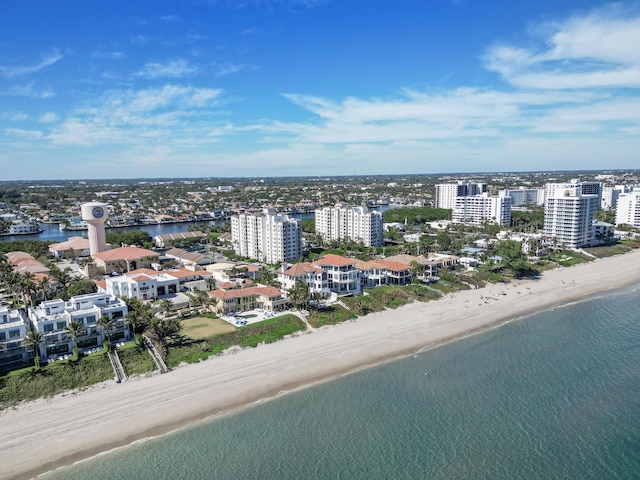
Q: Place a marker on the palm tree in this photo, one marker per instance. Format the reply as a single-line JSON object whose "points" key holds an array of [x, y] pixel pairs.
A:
{"points": [[166, 306], [299, 295], [75, 329], [33, 340], [139, 316], [105, 324]]}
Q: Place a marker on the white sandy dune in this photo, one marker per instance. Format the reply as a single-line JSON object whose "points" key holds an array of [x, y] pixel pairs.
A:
{"points": [[41, 435]]}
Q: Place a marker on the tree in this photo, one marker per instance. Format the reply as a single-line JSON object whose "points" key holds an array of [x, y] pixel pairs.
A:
{"points": [[299, 295], [166, 306], [512, 257], [268, 277], [33, 340], [105, 324], [74, 329], [139, 316]]}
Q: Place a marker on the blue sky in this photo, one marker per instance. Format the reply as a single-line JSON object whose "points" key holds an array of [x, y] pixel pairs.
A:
{"points": [[193, 88]]}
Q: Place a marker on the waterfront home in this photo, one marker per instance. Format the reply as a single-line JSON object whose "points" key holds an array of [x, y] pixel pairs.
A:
{"points": [[13, 330], [51, 318], [168, 239], [343, 278], [314, 277], [227, 302]]}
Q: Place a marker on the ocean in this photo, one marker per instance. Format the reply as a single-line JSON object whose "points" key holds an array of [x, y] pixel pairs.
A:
{"points": [[552, 396]]}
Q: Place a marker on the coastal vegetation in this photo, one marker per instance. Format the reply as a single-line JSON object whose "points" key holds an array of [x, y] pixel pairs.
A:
{"points": [[182, 348]]}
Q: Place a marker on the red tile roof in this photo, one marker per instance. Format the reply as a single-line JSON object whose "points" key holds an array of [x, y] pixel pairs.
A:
{"points": [[246, 292], [393, 265], [300, 269], [335, 260], [125, 253]]}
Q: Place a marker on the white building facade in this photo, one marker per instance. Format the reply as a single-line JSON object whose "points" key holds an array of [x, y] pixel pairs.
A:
{"points": [[524, 197], [267, 237], [447, 192], [628, 209], [344, 222], [478, 209], [13, 330], [569, 215], [51, 318]]}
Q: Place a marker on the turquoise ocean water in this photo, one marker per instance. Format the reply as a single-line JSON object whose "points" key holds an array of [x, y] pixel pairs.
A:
{"points": [[552, 396]]}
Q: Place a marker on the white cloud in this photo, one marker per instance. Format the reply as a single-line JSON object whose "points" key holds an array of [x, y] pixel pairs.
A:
{"points": [[15, 116], [174, 69], [227, 69], [121, 117], [18, 132], [17, 71], [105, 55], [49, 117], [598, 49], [27, 90]]}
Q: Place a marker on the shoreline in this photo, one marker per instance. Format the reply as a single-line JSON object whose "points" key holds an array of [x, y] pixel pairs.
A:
{"points": [[77, 426]]}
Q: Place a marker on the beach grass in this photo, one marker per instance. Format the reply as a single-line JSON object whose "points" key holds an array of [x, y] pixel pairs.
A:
{"points": [[183, 349], [389, 296], [135, 359], [329, 316], [54, 378]]}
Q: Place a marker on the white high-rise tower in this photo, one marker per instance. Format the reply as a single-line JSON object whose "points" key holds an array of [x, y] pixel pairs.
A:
{"points": [[95, 214]]}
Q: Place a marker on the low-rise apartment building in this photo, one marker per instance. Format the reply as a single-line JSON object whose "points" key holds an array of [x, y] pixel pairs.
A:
{"points": [[51, 318], [13, 330]]}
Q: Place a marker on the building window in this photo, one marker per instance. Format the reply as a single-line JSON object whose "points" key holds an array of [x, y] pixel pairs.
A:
{"points": [[48, 327], [61, 325], [14, 333]]}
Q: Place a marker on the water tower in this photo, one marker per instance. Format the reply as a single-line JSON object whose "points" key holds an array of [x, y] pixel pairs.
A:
{"points": [[95, 214]]}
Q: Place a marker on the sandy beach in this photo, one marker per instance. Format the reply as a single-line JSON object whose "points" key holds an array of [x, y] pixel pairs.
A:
{"points": [[42, 435]]}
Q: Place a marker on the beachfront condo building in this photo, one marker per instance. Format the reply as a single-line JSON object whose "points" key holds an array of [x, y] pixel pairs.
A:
{"points": [[569, 215], [268, 237], [52, 317], [610, 196], [584, 188], [344, 222], [13, 330], [447, 192], [480, 209], [628, 209]]}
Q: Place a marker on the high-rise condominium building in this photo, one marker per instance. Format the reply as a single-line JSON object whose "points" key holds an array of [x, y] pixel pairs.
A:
{"points": [[628, 209], [343, 222], [477, 209], [584, 188], [569, 215], [447, 192], [524, 196], [268, 237]]}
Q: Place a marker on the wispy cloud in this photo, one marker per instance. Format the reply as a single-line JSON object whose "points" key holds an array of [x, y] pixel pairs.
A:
{"points": [[105, 55], [27, 90], [599, 49], [174, 69], [123, 117], [17, 71], [169, 18], [49, 117], [221, 70], [18, 132]]}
